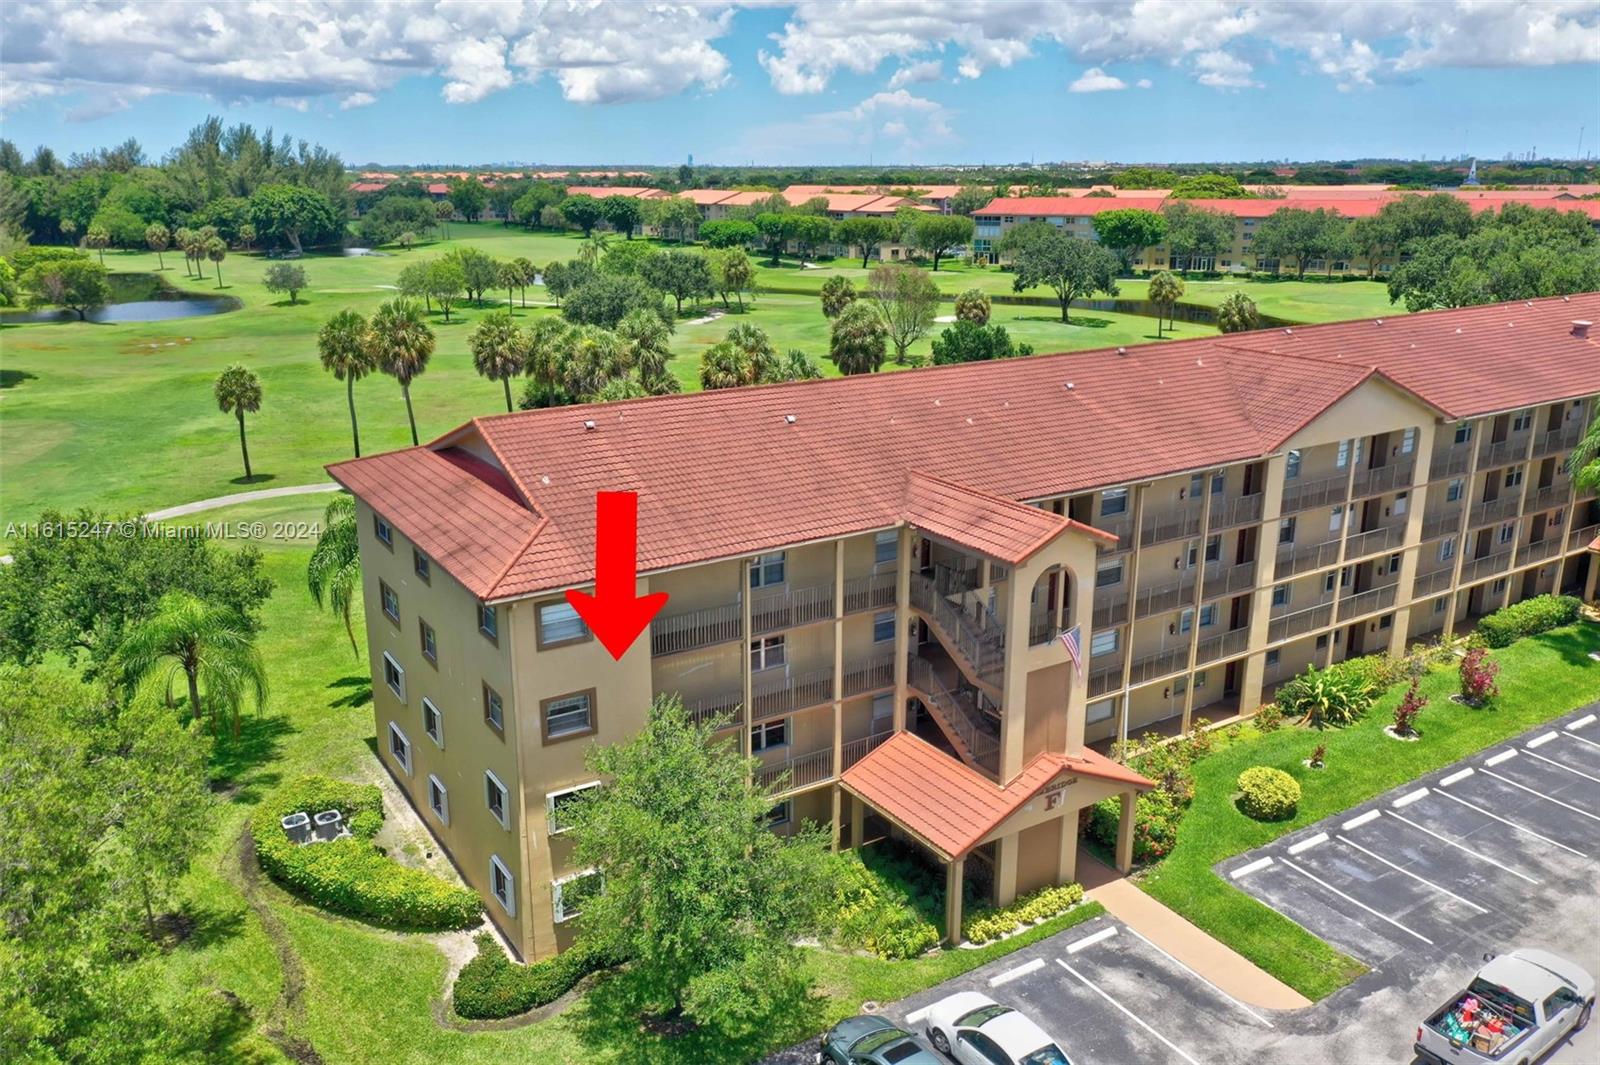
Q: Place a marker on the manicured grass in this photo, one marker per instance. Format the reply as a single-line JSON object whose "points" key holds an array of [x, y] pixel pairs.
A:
{"points": [[1541, 677]]}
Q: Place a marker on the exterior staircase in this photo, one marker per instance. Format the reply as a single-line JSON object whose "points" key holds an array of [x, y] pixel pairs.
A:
{"points": [[978, 651], [974, 734]]}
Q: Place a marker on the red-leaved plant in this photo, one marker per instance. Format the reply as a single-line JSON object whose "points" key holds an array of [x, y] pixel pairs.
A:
{"points": [[1405, 715], [1477, 677]]}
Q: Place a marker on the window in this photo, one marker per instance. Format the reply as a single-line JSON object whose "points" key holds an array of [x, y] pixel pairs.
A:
{"points": [[1208, 615], [1522, 422], [1336, 519], [1104, 642], [1386, 622], [1456, 489], [769, 734], [394, 676], [1514, 477], [1344, 455], [400, 747], [494, 710], [1280, 594], [1291, 465], [391, 601], [1186, 620], [1401, 502], [430, 642], [780, 814], [438, 799], [500, 885], [1113, 501], [432, 721], [1499, 586], [489, 621], [1107, 574], [1508, 532], [423, 567], [1286, 531], [556, 800], [383, 532], [1555, 518], [1463, 432], [882, 712], [1199, 681], [1328, 582], [1273, 657], [1408, 441], [558, 624], [1101, 710], [885, 547], [1180, 685], [766, 652], [1344, 577], [567, 716], [571, 892], [767, 570], [1322, 642], [494, 794], [1441, 604], [1197, 484], [1213, 550], [883, 627]]}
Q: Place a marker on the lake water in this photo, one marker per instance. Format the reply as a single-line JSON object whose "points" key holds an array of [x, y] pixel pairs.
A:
{"points": [[135, 298]]}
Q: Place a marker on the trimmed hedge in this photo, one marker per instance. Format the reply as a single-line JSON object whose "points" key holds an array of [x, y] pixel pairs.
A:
{"points": [[1268, 794], [348, 875], [1047, 902], [881, 904], [1528, 618], [492, 986]]}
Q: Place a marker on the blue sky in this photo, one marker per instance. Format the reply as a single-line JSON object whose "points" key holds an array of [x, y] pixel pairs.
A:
{"points": [[816, 81]]}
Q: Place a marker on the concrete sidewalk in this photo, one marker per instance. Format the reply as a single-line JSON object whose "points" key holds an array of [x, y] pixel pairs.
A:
{"points": [[1223, 966]]}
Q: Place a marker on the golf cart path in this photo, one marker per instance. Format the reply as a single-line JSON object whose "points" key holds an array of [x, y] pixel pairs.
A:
{"points": [[214, 502]]}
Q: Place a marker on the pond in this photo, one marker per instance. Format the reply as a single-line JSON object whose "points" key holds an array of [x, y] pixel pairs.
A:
{"points": [[1183, 312], [135, 298]]}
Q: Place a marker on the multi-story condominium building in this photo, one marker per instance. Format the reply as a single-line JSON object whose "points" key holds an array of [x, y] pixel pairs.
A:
{"points": [[868, 576]]}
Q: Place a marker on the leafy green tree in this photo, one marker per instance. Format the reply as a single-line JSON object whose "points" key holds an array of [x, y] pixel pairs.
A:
{"points": [[333, 573], [1372, 239], [479, 272], [809, 233], [622, 213], [680, 274], [1298, 234], [499, 350], [77, 284], [969, 341], [867, 234], [906, 299], [692, 886], [582, 211], [973, 306], [605, 299], [858, 339], [8, 284], [1237, 313], [238, 392], [1584, 461], [286, 277], [413, 283], [837, 294], [1020, 236], [937, 234], [969, 198], [677, 216], [158, 238], [468, 197], [1519, 255], [216, 251], [394, 215], [729, 233], [1209, 187], [345, 349], [1128, 231], [1166, 289], [294, 214], [624, 257], [774, 229], [1142, 177], [209, 644], [446, 283], [731, 272], [529, 207], [1413, 218], [97, 237], [1073, 268], [1196, 233], [401, 345]]}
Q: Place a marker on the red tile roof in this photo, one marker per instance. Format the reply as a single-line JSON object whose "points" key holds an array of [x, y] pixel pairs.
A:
{"points": [[1046, 206], [981, 521], [706, 197], [1350, 206], [952, 807], [817, 460], [600, 192]]}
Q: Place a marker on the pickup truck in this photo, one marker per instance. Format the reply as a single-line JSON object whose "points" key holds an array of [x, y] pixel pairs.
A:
{"points": [[1515, 1010]]}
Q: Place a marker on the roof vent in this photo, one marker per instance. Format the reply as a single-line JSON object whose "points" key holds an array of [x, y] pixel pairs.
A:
{"points": [[1122, 351], [588, 426], [545, 479], [1580, 328], [1458, 330], [790, 418], [1377, 321], [1288, 332], [1069, 386]]}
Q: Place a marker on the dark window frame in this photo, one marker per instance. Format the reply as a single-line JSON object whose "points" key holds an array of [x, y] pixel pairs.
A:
{"points": [[578, 734]]}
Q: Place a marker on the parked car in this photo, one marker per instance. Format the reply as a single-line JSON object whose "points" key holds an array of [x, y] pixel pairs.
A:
{"points": [[974, 1029], [1518, 1006], [872, 1041]]}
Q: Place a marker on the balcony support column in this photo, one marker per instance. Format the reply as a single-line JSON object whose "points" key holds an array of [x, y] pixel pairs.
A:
{"points": [[1067, 858], [838, 679], [1005, 870], [1462, 529], [1417, 504], [1132, 580], [1589, 583], [1125, 832], [744, 655], [1255, 664], [1199, 598], [858, 822], [954, 876], [902, 623]]}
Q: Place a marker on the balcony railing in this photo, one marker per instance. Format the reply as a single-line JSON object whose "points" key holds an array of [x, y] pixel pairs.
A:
{"points": [[772, 694], [1494, 510], [983, 648], [802, 771], [1158, 664], [1170, 525], [1538, 552], [1300, 622], [1240, 511], [869, 674], [1120, 526], [1366, 602], [1105, 675], [696, 628], [1387, 478], [789, 607], [1435, 525], [721, 705], [1110, 606], [959, 712], [1451, 462], [1315, 493], [1374, 541], [1432, 583], [1548, 498], [1563, 439], [1224, 645], [855, 750], [1502, 453], [955, 579], [1303, 558], [1226, 580], [1167, 595], [876, 592], [1487, 566], [1580, 538]]}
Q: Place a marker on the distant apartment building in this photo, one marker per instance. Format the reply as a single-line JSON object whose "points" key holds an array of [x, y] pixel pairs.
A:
{"points": [[868, 576]]}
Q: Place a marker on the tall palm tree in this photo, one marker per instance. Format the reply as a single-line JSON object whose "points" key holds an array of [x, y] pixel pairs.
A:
{"points": [[158, 237], [216, 251], [593, 247], [591, 357], [1237, 313], [97, 238], [645, 336], [346, 352], [545, 347], [526, 274], [858, 340], [210, 644], [402, 343], [499, 350], [238, 392], [509, 276], [1166, 288], [183, 240], [334, 572], [753, 340], [726, 365]]}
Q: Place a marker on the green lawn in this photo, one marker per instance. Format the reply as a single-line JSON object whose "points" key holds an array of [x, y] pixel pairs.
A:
{"points": [[1541, 678]]}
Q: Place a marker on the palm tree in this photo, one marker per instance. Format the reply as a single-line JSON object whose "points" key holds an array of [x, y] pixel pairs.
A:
{"points": [[1166, 288], [1237, 313], [544, 347], [509, 275], [346, 352], [334, 572], [753, 340], [216, 251], [402, 344], [97, 238], [499, 350], [212, 646], [591, 357], [158, 238], [593, 246], [183, 240], [726, 365], [238, 392], [527, 273], [645, 336], [443, 211], [858, 341]]}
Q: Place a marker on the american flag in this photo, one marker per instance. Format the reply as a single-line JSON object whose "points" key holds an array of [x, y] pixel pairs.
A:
{"points": [[1073, 642]]}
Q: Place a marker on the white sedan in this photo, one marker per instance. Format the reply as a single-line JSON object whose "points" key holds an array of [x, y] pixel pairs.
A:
{"points": [[974, 1029]]}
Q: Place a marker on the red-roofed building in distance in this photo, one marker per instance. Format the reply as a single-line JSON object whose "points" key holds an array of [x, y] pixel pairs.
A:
{"points": [[870, 598]]}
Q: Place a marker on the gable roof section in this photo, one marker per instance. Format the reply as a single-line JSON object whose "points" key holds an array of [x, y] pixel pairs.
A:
{"points": [[983, 522]]}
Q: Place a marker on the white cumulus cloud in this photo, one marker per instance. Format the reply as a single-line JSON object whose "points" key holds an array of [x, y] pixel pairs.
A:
{"points": [[1096, 80], [914, 73]]}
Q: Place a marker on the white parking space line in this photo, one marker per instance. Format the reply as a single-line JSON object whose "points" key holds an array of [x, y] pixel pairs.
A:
{"points": [[917, 1016], [1540, 741], [1568, 768], [1197, 976], [1546, 798], [1307, 844], [1406, 872], [1456, 778], [1089, 941], [1011, 974], [1512, 824], [1582, 722], [1246, 870], [1464, 848], [1175, 1048], [1580, 739], [1358, 902], [1407, 800], [1503, 756], [1357, 822]]}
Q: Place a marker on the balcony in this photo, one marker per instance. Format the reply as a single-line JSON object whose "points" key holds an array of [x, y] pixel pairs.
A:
{"points": [[1398, 474], [1548, 498], [1303, 558], [872, 673], [1487, 566], [1366, 602], [855, 750], [789, 607], [1578, 539], [1300, 622], [1528, 554], [1451, 462], [876, 592], [775, 693], [1224, 645], [1442, 522], [696, 628], [1170, 525], [1226, 580], [1228, 513], [1433, 582], [983, 649], [1502, 453], [1110, 606], [1105, 674], [1120, 526], [1158, 664], [1168, 595], [703, 708], [1315, 493], [1375, 541], [1494, 510], [802, 771], [1558, 440]]}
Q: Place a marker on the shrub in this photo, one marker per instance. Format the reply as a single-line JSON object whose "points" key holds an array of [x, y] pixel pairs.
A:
{"points": [[1268, 794], [1201, 742], [1478, 677], [1529, 617], [1324, 697], [1319, 756], [883, 902], [983, 925], [1155, 824], [973, 306], [1405, 715], [348, 875], [1269, 718], [491, 985]]}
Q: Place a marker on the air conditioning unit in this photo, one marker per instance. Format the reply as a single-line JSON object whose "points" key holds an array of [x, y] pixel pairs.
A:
{"points": [[329, 824], [297, 826]]}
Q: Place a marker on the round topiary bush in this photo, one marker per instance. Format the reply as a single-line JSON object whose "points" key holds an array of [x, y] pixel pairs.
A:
{"points": [[1268, 794], [348, 875]]}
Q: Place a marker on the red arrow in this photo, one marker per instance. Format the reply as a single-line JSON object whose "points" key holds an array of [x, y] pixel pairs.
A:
{"points": [[614, 613]]}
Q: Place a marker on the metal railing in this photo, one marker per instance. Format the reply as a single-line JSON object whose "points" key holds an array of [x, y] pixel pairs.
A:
{"points": [[1041, 628], [1494, 510], [1298, 558], [1502, 453], [1386, 478], [876, 592], [1435, 525], [773, 694], [1315, 493], [1487, 566], [1366, 602], [1583, 537], [855, 750], [868, 674], [1300, 622], [959, 713], [954, 580], [789, 607], [1121, 527], [1167, 595], [1158, 664], [1548, 498], [1171, 525], [1563, 439], [696, 628], [984, 649], [1110, 607], [802, 771], [1105, 678], [1449, 463], [1223, 645], [1226, 580], [1239, 511], [1432, 583], [721, 705], [1539, 551], [1373, 541]]}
